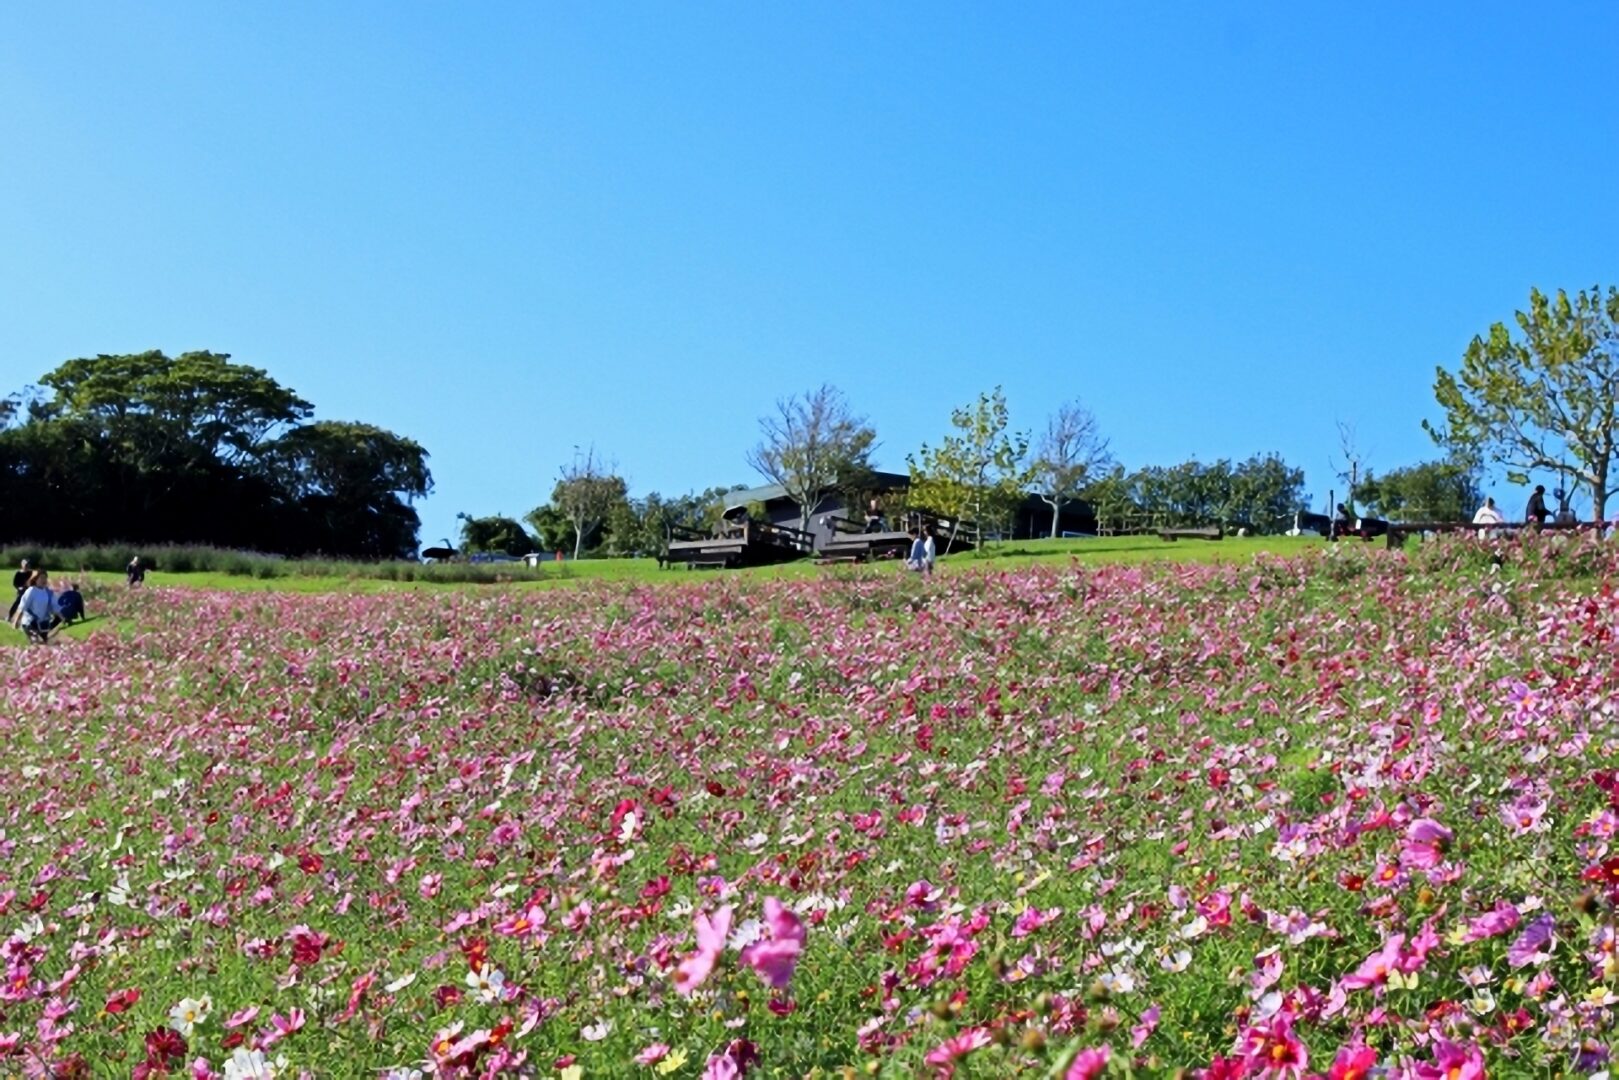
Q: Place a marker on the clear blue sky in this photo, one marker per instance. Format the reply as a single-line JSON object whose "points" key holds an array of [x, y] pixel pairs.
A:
{"points": [[507, 230]]}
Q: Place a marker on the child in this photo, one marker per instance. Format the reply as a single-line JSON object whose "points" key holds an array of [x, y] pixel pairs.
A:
{"points": [[71, 603]]}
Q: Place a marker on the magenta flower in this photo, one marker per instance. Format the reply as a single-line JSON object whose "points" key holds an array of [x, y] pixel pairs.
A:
{"points": [[1425, 843], [1530, 946], [1088, 1063], [695, 969], [775, 957], [1374, 970]]}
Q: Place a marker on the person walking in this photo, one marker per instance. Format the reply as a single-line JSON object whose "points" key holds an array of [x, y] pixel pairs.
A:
{"points": [[1489, 514], [135, 572], [1536, 513], [19, 581]]}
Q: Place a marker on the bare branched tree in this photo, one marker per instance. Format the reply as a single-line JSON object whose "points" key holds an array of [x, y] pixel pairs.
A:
{"points": [[586, 492], [812, 447], [1071, 453]]}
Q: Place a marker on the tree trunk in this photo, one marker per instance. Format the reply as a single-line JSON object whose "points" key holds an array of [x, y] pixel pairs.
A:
{"points": [[1599, 494], [1056, 514], [578, 539]]}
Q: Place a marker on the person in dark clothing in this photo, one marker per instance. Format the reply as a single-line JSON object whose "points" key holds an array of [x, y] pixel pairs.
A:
{"points": [[1536, 513], [135, 572], [1342, 523], [19, 581], [71, 603]]}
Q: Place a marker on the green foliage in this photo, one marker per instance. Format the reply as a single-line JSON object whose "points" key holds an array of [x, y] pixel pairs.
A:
{"points": [[494, 534], [980, 472], [586, 494], [551, 526], [1545, 396], [1432, 491], [198, 448], [1259, 494]]}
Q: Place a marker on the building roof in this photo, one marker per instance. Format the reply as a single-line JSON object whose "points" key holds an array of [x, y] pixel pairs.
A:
{"points": [[885, 481]]}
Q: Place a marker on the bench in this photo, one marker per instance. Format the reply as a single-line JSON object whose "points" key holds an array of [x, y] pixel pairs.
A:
{"points": [[1206, 532]]}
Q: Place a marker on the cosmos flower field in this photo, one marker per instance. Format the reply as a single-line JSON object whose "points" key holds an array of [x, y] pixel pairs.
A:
{"points": [[1344, 815]]}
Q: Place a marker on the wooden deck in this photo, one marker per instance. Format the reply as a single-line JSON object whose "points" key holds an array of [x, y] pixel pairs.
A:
{"points": [[864, 546], [851, 544], [750, 543]]}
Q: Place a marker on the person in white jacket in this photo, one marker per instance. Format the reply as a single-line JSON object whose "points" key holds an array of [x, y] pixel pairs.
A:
{"points": [[1488, 514], [38, 613]]}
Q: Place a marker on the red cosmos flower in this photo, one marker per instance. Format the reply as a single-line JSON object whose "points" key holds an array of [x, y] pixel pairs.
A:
{"points": [[307, 945], [165, 1046], [120, 1000], [476, 950]]}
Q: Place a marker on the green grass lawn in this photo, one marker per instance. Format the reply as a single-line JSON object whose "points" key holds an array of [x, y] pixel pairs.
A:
{"points": [[1121, 549]]}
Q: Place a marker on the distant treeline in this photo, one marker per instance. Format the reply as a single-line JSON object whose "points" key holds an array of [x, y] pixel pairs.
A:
{"points": [[195, 448], [64, 562]]}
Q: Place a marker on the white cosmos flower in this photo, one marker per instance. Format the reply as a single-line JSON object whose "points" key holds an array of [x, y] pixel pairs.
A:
{"points": [[488, 984], [1179, 960], [253, 1065], [400, 983], [190, 1012]]}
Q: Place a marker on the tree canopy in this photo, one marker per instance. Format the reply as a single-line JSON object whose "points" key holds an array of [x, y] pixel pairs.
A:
{"points": [[199, 449], [980, 470], [1431, 491], [1544, 398], [812, 447]]}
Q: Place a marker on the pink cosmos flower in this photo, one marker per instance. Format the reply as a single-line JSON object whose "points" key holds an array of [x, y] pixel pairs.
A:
{"points": [[1088, 1063], [695, 969], [776, 957], [242, 1016], [653, 1054], [1352, 1063], [1143, 1030], [944, 1056], [1273, 1050], [1425, 844], [528, 925], [1504, 918], [1452, 1061], [1523, 814], [1529, 946], [1374, 970]]}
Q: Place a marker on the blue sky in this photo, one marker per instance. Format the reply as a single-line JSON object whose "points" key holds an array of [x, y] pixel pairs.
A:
{"points": [[507, 230]]}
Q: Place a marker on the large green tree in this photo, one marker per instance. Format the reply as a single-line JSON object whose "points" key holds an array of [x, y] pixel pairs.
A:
{"points": [[1542, 398], [1430, 491], [981, 469], [353, 484], [200, 449], [494, 534]]}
